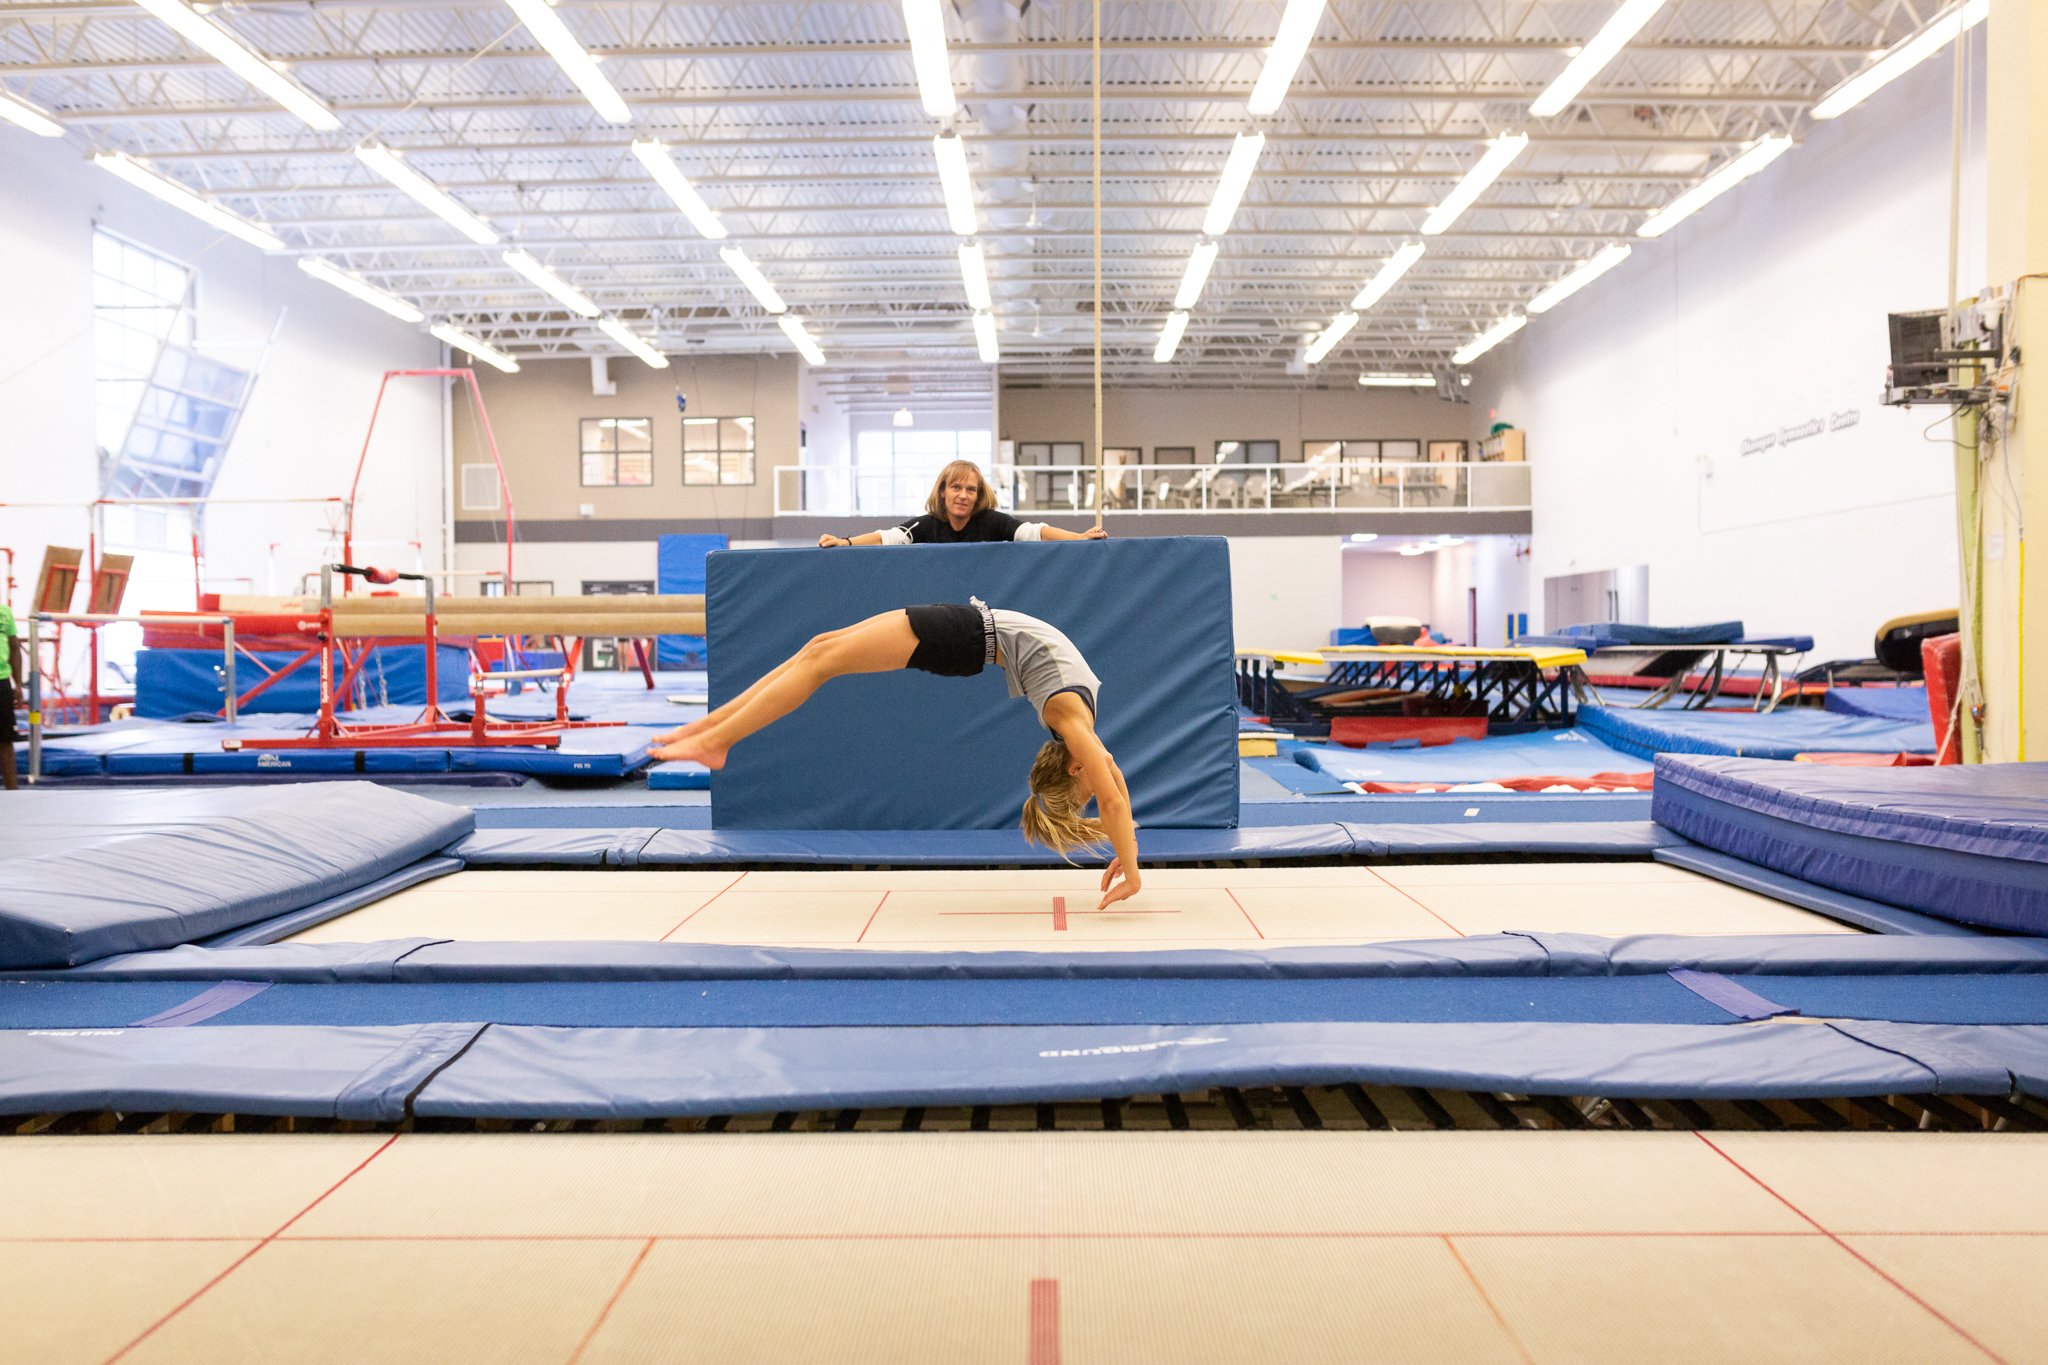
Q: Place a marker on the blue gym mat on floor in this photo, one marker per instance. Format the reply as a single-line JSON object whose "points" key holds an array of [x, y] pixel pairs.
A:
{"points": [[1546, 753], [1784, 733], [94, 872], [1964, 842], [1886, 703]]}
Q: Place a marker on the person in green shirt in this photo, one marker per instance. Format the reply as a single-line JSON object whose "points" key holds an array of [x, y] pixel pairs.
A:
{"points": [[10, 669]]}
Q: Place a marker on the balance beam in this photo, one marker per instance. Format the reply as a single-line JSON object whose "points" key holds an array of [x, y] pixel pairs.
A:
{"points": [[534, 622]]}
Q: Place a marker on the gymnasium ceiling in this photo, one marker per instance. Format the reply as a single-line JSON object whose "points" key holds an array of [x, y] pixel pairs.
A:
{"points": [[801, 125]]}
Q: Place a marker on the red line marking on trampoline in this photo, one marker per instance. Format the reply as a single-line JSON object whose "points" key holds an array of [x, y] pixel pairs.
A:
{"points": [[1426, 910], [1514, 1339], [705, 906], [1044, 1346], [871, 918], [243, 1259], [611, 1302], [1059, 926], [1868, 1264], [1242, 911]]}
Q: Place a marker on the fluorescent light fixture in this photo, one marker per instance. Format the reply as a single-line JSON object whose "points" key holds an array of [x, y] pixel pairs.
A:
{"points": [[751, 276], [619, 332], [1326, 341], [1389, 275], [1903, 57], [577, 301], [1758, 155], [1290, 44], [1398, 381], [793, 327], [1230, 186], [654, 156], [1488, 339], [369, 293], [463, 341], [176, 195], [551, 33], [238, 57], [952, 156], [1364, 537], [903, 418], [1445, 542], [926, 20], [985, 338], [1571, 284], [1500, 153], [1196, 275], [430, 196], [1413, 550], [19, 111], [1613, 36], [1169, 340], [974, 273]]}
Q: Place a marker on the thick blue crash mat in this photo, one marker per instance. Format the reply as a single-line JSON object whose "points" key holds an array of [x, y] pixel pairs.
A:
{"points": [[1545, 753], [1886, 703], [1785, 733], [98, 872], [1966, 843], [909, 750]]}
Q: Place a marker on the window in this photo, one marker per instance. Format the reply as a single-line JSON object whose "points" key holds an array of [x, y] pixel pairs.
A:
{"points": [[1172, 455], [138, 304], [1048, 490], [618, 452], [718, 450], [895, 467], [1247, 452], [1119, 476], [1400, 452]]}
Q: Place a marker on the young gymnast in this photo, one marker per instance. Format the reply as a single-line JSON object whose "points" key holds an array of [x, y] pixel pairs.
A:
{"points": [[1041, 665]]}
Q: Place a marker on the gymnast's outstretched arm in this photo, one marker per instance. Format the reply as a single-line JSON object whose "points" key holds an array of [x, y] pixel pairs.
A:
{"points": [[1075, 723]]}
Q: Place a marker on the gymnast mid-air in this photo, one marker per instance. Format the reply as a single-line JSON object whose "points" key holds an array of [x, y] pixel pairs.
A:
{"points": [[1041, 665]]}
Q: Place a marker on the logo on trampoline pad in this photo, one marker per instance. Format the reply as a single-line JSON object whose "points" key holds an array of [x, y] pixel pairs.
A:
{"points": [[1116, 1049]]}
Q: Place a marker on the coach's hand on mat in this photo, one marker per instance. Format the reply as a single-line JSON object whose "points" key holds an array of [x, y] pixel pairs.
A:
{"points": [[826, 542], [1123, 890], [1095, 533]]}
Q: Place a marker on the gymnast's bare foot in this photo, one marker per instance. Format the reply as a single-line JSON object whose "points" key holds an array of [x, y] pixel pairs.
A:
{"points": [[684, 731], [694, 749]]}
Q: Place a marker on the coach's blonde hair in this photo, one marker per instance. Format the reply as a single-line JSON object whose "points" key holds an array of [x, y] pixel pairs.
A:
{"points": [[935, 503], [1053, 811]]}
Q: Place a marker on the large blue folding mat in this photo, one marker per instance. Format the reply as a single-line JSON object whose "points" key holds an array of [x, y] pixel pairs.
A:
{"points": [[679, 568], [1784, 733], [176, 682], [92, 873], [912, 751], [1965, 843]]}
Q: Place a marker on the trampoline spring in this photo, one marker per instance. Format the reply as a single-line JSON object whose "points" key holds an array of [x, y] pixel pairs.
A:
{"points": [[1176, 1112], [784, 1120], [1884, 1112], [1563, 1113], [977, 1120], [846, 1121], [1501, 1115], [1694, 1116], [2003, 1114], [1304, 1109], [717, 1123], [1240, 1112], [1046, 1119], [1112, 1116], [1362, 1102], [1433, 1112], [1759, 1114], [1937, 1112], [1822, 1113], [1631, 1114], [913, 1120]]}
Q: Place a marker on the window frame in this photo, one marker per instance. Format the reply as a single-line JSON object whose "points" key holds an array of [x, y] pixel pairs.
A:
{"points": [[585, 450], [719, 451]]}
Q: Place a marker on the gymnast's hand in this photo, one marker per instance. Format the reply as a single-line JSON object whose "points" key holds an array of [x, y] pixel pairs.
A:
{"points": [[1095, 533], [1123, 890]]}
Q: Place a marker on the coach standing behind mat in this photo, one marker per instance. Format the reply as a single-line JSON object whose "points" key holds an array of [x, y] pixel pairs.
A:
{"points": [[961, 508]]}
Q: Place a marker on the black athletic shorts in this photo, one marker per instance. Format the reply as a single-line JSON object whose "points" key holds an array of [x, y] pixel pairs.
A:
{"points": [[950, 641], [8, 734]]}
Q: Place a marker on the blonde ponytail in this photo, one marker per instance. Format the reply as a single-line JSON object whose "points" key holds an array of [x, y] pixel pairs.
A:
{"points": [[1053, 815]]}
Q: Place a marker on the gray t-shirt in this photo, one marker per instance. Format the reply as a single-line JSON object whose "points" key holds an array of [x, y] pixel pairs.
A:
{"points": [[1038, 660]]}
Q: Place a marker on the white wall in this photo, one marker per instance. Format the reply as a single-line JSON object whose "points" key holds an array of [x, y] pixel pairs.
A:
{"points": [[1765, 310], [1286, 592], [1384, 583], [303, 430]]}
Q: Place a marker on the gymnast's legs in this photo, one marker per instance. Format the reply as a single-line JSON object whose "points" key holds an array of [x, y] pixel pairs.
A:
{"points": [[880, 644]]}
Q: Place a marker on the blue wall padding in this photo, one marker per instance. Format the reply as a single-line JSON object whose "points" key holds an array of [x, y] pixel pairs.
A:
{"points": [[912, 751], [1544, 753], [1860, 911], [1886, 703], [175, 682], [341, 1073], [516, 1072], [1967, 843], [95, 872], [1784, 733], [679, 568]]}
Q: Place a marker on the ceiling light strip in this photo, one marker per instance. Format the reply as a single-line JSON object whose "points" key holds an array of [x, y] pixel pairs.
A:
{"points": [[1405, 256], [926, 20], [1397, 381], [1230, 186], [951, 154], [237, 56], [985, 338], [329, 273], [1613, 36], [1754, 158], [1488, 339], [751, 276], [1196, 275], [192, 202], [20, 112], [1903, 57], [793, 327], [974, 274], [1325, 342], [1290, 45], [568, 294], [463, 341], [1579, 279], [1500, 154], [654, 156], [1169, 340], [553, 35], [619, 332], [389, 164]]}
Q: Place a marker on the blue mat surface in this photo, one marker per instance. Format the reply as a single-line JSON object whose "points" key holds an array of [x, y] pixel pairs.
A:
{"points": [[1966, 843], [907, 750], [1784, 733], [1545, 753], [1885, 703], [97, 872]]}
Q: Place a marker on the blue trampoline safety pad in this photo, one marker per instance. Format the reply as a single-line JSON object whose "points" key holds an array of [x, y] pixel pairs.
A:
{"points": [[1966, 843], [1784, 733], [93, 873], [909, 750]]}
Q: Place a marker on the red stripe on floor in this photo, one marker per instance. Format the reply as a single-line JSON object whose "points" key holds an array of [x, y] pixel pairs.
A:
{"points": [[706, 905], [862, 936], [611, 1302], [1487, 1299], [1045, 1323]]}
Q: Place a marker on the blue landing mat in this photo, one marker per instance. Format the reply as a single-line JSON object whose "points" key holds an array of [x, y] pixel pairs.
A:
{"points": [[1781, 734], [1966, 843], [95, 872], [1886, 703], [1545, 753], [676, 776]]}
